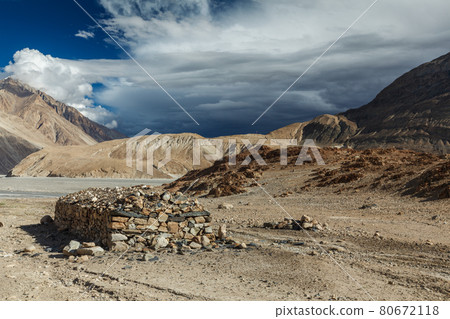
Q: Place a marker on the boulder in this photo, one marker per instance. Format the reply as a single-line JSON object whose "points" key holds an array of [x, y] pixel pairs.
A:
{"points": [[71, 248], [47, 219]]}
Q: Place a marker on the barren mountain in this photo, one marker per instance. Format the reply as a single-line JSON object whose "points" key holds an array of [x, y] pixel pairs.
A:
{"points": [[13, 149], [325, 130], [411, 113], [109, 159], [31, 120]]}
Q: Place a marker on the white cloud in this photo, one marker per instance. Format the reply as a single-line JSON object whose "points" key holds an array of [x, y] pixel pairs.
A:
{"points": [[84, 34], [65, 80], [112, 125], [54, 76]]}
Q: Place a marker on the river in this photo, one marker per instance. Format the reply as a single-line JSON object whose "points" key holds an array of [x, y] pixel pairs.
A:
{"points": [[50, 187]]}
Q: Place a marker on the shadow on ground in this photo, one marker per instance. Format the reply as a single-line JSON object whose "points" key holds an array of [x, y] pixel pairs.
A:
{"points": [[48, 236]]}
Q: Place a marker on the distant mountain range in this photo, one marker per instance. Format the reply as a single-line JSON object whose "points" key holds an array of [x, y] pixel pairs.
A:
{"points": [[31, 120], [411, 113]]}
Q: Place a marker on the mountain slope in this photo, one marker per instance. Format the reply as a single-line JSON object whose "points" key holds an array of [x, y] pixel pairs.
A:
{"points": [[98, 132], [108, 159], [411, 113], [31, 120], [13, 149], [325, 130]]}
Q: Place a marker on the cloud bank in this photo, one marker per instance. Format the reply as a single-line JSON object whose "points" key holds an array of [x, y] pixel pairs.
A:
{"points": [[65, 80], [226, 61]]}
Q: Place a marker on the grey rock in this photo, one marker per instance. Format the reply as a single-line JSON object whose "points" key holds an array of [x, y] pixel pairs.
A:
{"points": [[194, 231], [119, 246], [195, 214], [166, 196], [117, 237], [127, 214], [149, 257], [205, 241], [223, 231], [176, 219], [160, 242], [131, 242], [195, 245], [71, 248], [92, 251]]}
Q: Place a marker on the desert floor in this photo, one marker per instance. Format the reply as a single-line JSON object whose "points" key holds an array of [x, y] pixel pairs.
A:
{"points": [[409, 260]]}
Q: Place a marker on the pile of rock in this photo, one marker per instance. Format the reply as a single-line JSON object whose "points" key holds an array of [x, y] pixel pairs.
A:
{"points": [[135, 218], [305, 223], [80, 252]]}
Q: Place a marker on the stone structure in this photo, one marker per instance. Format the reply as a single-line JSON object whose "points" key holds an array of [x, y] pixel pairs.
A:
{"points": [[137, 218]]}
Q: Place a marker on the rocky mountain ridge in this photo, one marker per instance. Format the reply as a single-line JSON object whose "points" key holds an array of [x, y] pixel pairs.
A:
{"points": [[31, 120], [411, 113]]}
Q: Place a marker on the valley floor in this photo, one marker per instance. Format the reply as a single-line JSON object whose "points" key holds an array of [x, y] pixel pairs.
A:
{"points": [[408, 260]]}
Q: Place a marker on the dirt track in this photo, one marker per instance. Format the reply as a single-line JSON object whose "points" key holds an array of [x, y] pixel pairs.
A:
{"points": [[408, 261]]}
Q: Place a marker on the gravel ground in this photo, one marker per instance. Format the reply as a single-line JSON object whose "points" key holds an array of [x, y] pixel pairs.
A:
{"points": [[407, 260]]}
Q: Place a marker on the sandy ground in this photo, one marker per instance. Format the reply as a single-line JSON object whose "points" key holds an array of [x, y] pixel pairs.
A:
{"points": [[408, 261]]}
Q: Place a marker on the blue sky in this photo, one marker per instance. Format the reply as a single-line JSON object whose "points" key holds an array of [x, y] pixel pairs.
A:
{"points": [[49, 26], [225, 62]]}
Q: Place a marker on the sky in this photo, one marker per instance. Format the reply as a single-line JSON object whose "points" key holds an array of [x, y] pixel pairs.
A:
{"points": [[212, 67]]}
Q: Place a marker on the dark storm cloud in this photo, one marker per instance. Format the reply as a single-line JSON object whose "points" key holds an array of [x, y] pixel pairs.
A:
{"points": [[227, 61]]}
